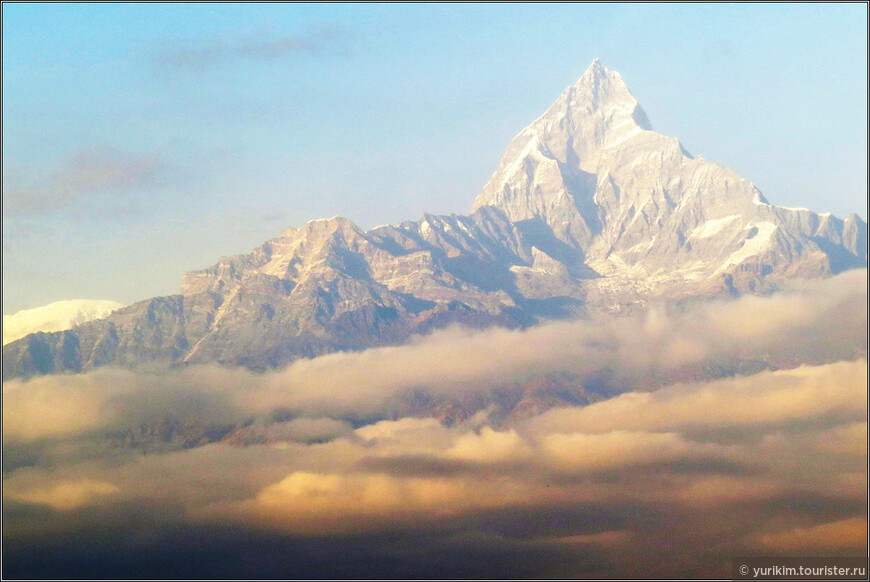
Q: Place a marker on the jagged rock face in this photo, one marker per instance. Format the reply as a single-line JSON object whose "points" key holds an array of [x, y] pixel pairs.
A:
{"points": [[330, 285], [588, 209], [648, 217], [325, 287], [147, 331]]}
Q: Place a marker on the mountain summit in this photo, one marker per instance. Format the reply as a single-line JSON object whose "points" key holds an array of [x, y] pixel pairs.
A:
{"points": [[645, 213], [548, 169], [589, 209]]}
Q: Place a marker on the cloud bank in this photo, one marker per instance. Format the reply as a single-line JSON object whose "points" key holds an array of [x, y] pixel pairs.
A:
{"points": [[728, 428]]}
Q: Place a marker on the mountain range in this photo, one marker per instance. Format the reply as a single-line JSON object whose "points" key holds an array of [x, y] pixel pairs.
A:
{"points": [[589, 210]]}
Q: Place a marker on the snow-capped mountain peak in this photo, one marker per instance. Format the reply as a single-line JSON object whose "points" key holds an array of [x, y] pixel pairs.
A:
{"points": [[593, 172], [55, 316], [549, 170], [603, 90]]}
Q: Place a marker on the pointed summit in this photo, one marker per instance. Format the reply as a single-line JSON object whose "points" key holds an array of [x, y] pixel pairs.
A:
{"points": [[596, 71], [595, 67], [592, 173], [596, 113], [544, 171], [603, 88]]}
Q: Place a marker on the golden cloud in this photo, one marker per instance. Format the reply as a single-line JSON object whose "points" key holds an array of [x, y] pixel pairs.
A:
{"points": [[65, 495], [846, 534], [835, 390]]}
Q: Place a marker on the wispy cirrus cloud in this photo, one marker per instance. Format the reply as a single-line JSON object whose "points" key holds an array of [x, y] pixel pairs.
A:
{"points": [[94, 171], [204, 54]]}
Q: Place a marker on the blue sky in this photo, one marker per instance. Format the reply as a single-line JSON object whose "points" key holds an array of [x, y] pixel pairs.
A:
{"points": [[141, 141]]}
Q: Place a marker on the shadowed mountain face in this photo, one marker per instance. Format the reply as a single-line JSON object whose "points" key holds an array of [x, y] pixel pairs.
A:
{"points": [[589, 209]]}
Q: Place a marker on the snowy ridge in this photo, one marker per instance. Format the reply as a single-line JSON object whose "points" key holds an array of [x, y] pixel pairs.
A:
{"points": [[56, 316]]}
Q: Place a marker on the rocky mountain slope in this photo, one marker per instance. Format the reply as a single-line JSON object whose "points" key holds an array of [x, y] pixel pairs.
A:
{"points": [[588, 209]]}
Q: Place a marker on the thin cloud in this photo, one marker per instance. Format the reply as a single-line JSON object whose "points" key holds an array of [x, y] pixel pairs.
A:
{"points": [[844, 534], [65, 495], [201, 55], [91, 172]]}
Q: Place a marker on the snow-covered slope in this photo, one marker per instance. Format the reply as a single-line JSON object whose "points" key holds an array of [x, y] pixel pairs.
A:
{"points": [[648, 216], [56, 316]]}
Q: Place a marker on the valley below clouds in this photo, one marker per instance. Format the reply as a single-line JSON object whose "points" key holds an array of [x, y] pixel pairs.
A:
{"points": [[657, 443]]}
